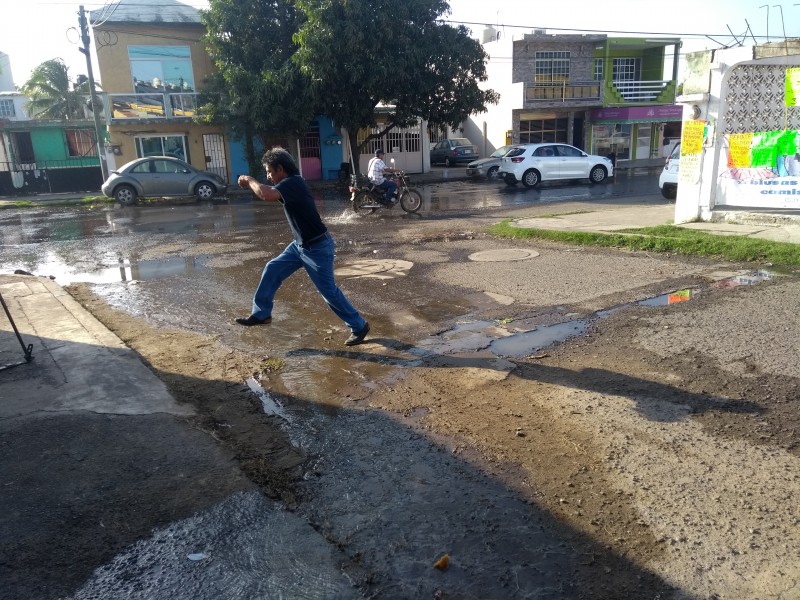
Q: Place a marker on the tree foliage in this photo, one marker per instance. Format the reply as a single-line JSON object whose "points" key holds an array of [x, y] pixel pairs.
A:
{"points": [[257, 90], [358, 53], [52, 93]]}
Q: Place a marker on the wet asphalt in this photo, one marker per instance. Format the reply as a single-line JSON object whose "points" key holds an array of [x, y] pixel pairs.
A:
{"points": [[194, 266]]}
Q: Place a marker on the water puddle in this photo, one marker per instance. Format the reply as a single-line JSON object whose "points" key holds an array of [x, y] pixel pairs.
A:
{"points": [[269, 404], [123, 271], [524, 343]]}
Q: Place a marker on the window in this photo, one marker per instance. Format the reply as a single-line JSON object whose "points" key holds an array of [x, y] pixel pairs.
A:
{"points": [[543, 131], [7, 109], [626, 69], [158, 166], [80, 142], [175, 146], [551, 67], [23, 147], [161, 69], [598, 69]]}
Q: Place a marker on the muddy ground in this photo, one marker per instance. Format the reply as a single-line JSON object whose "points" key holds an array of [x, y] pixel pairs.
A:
{"points": [[667, 436]]}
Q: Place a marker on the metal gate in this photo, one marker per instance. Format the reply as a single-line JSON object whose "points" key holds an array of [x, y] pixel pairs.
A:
{"points": [[310, 153], [214, 149]]}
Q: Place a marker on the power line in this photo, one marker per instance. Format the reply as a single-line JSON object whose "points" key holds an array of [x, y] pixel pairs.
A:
{"points": [[599, 31]]}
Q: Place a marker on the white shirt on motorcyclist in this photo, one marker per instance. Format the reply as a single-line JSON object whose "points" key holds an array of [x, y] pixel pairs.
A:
{"points": [[375, 170]]}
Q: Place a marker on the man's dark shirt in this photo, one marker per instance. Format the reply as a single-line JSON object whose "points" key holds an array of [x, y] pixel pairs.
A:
{"points": [[301, 212]]}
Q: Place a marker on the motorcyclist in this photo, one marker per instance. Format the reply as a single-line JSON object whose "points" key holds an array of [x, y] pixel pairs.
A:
{"points": [[375, 172]]}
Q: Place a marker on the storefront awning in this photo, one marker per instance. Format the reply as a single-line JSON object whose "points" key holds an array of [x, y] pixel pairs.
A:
{"points": [[638, 114]]}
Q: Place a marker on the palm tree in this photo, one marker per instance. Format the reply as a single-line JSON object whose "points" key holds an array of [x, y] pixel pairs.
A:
{"points": [[52, 93]]}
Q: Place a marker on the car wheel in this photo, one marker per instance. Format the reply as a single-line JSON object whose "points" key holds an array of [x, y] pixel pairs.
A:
{"points": [[510, 180], [491, 174], [597, 174], [530, 178], [204, 190], [125, 194], [447, 162], [669, 192]]}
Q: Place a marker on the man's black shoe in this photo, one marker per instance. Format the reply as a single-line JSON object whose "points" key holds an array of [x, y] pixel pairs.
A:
{"points": [[357, 336], [253, 320]]}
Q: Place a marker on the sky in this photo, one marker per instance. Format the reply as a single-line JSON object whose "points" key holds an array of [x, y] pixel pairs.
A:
{"points": [[33, 31]]}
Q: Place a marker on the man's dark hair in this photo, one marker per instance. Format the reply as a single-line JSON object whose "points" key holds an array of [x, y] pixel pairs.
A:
{"points": [[279, 156]]}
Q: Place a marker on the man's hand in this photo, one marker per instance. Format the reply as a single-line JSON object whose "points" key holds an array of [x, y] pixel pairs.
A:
{"points": [[244, 181]]}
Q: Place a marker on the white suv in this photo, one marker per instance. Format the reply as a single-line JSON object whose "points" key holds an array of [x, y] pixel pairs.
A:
{"points": [[668, 180], [534, 163]]}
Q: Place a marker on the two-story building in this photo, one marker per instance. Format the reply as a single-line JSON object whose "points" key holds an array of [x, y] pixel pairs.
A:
{"points": [[152, 63], [604, 95], [43, 155]]}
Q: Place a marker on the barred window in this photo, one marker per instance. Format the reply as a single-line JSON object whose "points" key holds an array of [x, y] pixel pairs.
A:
{"points": [[551, 66], [80, 142], [543, 131], [598, 69], [7, 109]]}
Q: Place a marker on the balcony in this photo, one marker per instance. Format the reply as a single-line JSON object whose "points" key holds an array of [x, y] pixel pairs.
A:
{"points": [[562, 92], [148, 107], [620, 93]]}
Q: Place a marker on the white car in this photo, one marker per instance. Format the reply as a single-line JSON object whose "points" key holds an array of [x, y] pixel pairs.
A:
{"points": [[533, 163], [668, 180]]}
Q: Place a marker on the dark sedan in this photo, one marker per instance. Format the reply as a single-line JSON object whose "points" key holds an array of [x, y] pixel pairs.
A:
{"points": [[454, 151], [161, 176]]}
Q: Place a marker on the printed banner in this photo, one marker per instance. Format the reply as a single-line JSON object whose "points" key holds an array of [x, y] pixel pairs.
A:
{"points": [[763, 170]]}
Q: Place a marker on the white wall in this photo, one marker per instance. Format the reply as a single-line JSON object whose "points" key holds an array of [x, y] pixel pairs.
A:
{"points": [[497, 119], [6, 76]]}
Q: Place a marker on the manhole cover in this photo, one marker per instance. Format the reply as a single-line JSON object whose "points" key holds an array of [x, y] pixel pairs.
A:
{"points": [[503, 255], [380, 268]]}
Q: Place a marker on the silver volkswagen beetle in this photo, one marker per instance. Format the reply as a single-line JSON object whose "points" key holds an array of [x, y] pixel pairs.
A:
{"points": [[161, 176]]}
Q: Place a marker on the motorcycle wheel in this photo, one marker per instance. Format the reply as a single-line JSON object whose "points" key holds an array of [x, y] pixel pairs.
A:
{"points": [[410, 201], [362, 202]]}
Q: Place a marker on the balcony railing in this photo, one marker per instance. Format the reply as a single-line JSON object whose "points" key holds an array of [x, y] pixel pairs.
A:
{"points": [[640, 91], [562, 92], [153, 106]]}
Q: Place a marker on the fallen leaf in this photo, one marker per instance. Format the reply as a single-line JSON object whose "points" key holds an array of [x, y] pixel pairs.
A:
{"points": [[442, 563]]}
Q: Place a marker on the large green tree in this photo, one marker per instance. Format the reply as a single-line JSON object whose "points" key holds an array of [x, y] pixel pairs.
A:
{"points": [[358, 53], [52, 93], [258, 90]]}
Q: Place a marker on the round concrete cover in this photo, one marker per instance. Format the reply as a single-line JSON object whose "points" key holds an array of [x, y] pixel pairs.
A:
{"points": [[503, 255]]}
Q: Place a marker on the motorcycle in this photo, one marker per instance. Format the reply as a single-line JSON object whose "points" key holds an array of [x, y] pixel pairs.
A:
{"points": [[366, 197]]}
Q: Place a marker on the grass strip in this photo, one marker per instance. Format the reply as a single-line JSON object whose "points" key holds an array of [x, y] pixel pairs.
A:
{"points": [[667, 239]]}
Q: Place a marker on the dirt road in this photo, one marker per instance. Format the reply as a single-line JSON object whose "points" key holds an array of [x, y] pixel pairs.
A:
{"points": [[661, 443]]}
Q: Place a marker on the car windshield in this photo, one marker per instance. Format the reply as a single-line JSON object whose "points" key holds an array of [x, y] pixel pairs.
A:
{"points": [[461, 142], [500, 152]]}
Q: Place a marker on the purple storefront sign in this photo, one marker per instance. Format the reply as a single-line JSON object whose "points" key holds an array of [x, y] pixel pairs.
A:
{"points": [[668, 112]]}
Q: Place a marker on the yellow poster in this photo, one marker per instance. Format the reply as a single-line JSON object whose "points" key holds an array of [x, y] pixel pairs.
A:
{"points": [[739, 150], [793, 86], [692, 137]]}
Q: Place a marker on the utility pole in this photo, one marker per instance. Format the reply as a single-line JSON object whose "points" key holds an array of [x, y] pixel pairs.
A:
{"points": [[98, 130]]}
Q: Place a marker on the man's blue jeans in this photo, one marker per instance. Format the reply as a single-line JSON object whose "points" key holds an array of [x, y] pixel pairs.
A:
{"points": [[318, 263], [389, 186]]}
